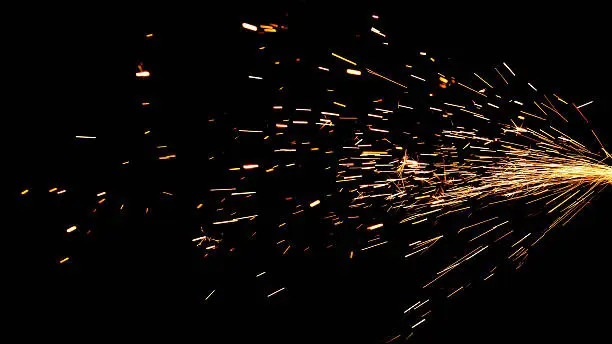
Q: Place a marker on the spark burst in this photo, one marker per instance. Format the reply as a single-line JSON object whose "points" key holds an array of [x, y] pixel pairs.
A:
{"points": [[382, 167], [558, 172]]}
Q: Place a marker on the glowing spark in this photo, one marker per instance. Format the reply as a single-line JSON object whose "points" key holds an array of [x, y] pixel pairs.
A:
{"points": [[585, 104], [417, 324], [384, 77], [344, 59], [483, 80], [209, 295], [375, 245], [249, 27], [243, 193], [373, 227], [530, 85], [505, 65], [276, 292], [376, 31]]}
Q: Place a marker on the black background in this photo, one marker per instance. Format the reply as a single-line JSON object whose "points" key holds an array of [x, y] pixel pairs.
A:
{"points": [[142, 273]]}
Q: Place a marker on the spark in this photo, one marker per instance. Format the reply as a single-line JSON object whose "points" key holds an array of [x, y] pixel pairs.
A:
{"points": [[376, 31], [585, 104], [417, 324], [505, 65], [384, 77], [276, 292], [375, 245], [344, 59], [249, 26], [243, 193], [373, 227], [483, 80], [209, 295], [530, 85]]}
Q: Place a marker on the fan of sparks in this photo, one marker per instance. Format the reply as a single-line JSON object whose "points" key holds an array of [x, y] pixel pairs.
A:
{"points": [[559, 173], [490, 150]]}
